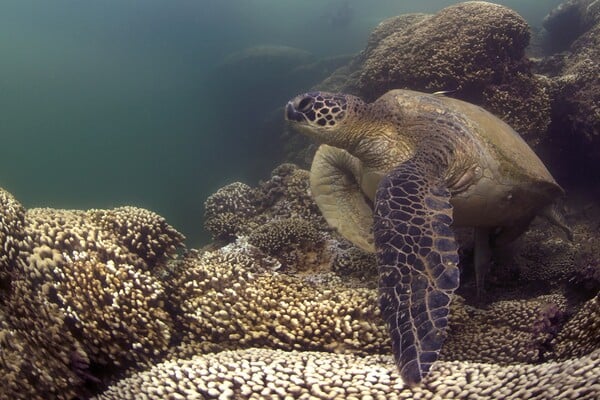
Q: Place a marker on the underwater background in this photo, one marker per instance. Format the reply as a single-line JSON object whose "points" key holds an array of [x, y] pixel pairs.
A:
{"points": [[159, 103]]}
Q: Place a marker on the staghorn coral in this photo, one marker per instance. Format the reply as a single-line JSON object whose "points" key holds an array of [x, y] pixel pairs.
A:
{"points": [[264, 373]]}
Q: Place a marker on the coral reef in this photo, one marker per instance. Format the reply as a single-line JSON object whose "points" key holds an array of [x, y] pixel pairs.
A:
{"points": [[290, 240], [281, 305], [237, 209], [572, 49], [140, 231], [504, 332], [81, 295], [12, 216], [441, 53], [576, 110], [349, 260], [581, 335], [568, 21], [274, 58], [87, 303], [228, 209], [279, 217], [475, 50], [265, 373], [523, 100], [234, 299]]}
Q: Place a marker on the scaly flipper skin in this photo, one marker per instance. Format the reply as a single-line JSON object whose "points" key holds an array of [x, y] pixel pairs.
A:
{"points": [[417, 257]]}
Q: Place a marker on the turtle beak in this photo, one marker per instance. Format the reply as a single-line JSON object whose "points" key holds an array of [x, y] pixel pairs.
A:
{"points": [[292, 115]]}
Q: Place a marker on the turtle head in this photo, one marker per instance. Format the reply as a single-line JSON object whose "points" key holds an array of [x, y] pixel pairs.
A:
{"points": [[324, 116]]}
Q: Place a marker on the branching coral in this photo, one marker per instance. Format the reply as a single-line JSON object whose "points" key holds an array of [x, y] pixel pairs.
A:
{"points": [[287, 195], [12, 215], [92, 269], [291, 240], [279, 216], [32, 372], [581, 335], [351, 261], [140, 231], [505, 332], [234, 301], [263, 373], [227, 210], [82, 294]]}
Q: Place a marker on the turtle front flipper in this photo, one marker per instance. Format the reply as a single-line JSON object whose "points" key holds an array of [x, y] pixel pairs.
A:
{"points": [[334, 182], [417, 257]]}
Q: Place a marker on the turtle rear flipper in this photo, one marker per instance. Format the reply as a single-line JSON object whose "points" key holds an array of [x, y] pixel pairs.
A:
{"points": [[417, 257]]}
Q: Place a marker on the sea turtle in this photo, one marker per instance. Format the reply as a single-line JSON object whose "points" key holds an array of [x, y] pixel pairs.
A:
{"points": [[396, 175]]}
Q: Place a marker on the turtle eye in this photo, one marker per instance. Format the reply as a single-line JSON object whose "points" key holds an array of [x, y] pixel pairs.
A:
{"points": [[305, 104]]}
